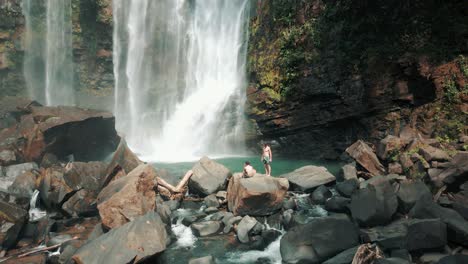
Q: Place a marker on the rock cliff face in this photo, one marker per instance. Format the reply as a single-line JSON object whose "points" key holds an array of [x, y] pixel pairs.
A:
{"points": [[92, 47], [326, 73]]}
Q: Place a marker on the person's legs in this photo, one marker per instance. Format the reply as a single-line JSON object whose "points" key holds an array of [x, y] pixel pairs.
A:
{"points": [[269, 169]]}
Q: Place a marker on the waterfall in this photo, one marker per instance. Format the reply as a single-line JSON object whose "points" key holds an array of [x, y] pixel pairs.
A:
{"points": [[179, 67], [48, 61]]}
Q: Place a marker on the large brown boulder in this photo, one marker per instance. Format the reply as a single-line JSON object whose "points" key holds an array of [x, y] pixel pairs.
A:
{"points": [[208, 177], [431, 153], [366, 157], [123, 162], [33, 130], [143, 237], [308, 177], [256, 196], [129, 197], [389, 146], [13, 218]]}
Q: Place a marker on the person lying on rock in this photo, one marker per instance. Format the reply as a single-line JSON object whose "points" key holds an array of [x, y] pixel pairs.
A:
{"points": [[249, 171]]}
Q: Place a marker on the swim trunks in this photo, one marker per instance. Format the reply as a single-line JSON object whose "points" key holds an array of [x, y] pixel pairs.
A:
{"points": [[266, 160]]}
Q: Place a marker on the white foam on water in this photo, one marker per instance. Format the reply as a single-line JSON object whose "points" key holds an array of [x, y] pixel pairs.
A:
{"points": [[35, 214], [272, 252], [185, 237]]}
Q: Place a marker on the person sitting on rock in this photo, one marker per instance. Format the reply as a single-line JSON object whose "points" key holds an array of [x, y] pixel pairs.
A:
{"points": [[249, 171]]}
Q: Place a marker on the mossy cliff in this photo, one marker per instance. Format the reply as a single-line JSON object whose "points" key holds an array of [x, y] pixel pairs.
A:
{"points": [[324, 73]]}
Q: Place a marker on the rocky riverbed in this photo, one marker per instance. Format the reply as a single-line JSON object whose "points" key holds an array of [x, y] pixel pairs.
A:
{"points": [[70, 193]]}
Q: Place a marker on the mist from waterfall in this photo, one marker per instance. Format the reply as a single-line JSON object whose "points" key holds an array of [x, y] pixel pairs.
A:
{"points": [[179, 68], [48, 61]]}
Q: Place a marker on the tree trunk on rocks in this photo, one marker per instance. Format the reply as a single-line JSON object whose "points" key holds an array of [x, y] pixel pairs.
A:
{"points": [[129, 197]]}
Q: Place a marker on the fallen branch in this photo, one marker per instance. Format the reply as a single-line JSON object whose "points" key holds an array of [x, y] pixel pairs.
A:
{"points": [[367, 253], [37, 250], [439, 193]]}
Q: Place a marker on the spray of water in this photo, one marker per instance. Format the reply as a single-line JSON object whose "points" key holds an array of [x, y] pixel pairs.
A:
{"points": [[179, 67], [48, 61]]}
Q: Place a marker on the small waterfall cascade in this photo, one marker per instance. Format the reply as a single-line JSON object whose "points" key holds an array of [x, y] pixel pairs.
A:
{"points": [[179, 68], [48, 61], [35, 214]]}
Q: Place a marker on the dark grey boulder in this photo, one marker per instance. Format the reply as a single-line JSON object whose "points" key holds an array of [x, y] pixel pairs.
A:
{"points": [[375, 204], [347, 187], [318, 240], [141, 238], [345, 257], [211, 201], [206, 228], [243, 228], [308, 177], [208, 177], [413, 234], [24, 185], [411, 192], [454, 259], [457, 226], [391, 261], [320, 195], [338, 204], [426, 234]]}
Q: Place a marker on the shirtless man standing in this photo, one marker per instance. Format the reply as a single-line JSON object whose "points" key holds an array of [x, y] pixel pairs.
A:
{"points": [[267, 158]]}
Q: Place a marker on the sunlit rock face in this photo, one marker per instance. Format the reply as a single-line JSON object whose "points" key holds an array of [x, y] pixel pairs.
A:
{"points": [[179, 68]]}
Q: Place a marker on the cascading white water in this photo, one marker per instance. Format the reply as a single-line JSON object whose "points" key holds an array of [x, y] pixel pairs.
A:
{"points": [[48, 62], [179, 67]]}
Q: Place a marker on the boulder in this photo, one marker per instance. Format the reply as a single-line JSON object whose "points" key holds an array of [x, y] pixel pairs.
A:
{"points": [[229, 222], [389, 146], [203, 260], [411, 192], [244, 227], [347, 187], [457, 226], [414, 235], [345, 257], [211, 201], [85, 175], [53, 189], [129, 197], [7, 157], [13, 219], [24, 185], [318, 240], [391, 261], [337, 204], [123, 161], [457, 169], [10, 173], [349, 171], [37, 130], [431, 153], [206, 228], [375, 204], [208, 177], [395, 168], [426, 234], [454, 259], [256, 196], [366, 157], [307, 178], [320, 195], [81, 203], [143, 237]]}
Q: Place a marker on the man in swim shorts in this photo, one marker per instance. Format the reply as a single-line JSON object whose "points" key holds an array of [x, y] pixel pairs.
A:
{"points": [[267, 158]]}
